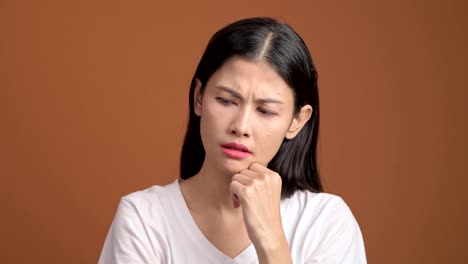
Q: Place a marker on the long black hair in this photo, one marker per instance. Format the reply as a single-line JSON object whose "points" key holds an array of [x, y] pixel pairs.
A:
{"points": [[284, 50]]}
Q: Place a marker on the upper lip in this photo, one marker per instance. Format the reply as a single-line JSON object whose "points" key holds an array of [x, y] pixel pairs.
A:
{"points": [[236, 146]]}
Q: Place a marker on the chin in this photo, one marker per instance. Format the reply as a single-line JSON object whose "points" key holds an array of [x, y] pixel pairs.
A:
{"points": [[234, 166]]}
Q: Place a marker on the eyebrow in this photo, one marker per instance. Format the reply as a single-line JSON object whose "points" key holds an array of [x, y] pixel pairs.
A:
{"points": [[237, 95]]}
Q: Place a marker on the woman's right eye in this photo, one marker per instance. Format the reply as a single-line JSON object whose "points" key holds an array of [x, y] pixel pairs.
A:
{"points": [[224, 101]]}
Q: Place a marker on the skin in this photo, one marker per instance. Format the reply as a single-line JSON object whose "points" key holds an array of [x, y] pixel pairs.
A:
{"points": [[236, 202]]}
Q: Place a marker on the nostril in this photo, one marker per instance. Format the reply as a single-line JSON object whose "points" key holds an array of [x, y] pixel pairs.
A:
{"points": [[239, 133]]}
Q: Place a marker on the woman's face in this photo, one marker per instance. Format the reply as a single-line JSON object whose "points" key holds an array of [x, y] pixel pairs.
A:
{"points": [[246, 111]]}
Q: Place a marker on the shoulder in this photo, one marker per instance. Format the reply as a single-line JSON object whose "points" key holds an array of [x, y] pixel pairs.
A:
{"points": [[317, 203], [323, 211], [139, 230], [327, 226], [148, 205], [154, 195]]}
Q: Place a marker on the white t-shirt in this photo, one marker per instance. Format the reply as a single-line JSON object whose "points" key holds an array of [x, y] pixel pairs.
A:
{"points": [[155, 226]]}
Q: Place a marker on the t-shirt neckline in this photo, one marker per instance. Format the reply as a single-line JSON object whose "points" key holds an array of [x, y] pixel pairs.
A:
{"points": [[198, 238]]}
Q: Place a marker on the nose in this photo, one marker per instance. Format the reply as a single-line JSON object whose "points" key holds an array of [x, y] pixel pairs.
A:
{"points": [[240, 125]]}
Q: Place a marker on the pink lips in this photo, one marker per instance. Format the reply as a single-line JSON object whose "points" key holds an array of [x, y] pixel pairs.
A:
{"points": [[236, 151]]}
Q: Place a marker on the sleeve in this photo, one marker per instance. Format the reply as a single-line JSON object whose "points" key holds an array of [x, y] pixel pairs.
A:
{"points": [[127, 241], [343, 243]]}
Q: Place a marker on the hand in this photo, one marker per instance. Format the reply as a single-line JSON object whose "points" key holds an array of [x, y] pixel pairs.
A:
{"points": [[257, 190]]}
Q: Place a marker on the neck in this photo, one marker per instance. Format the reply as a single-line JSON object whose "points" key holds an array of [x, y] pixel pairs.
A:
{"points": [[210, 188]]}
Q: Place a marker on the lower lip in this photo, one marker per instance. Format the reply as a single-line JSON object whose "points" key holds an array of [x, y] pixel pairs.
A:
{"points": [[236, 154]]}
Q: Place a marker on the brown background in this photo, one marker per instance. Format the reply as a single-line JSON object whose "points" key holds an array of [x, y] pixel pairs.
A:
{"points": [[94, 106]]}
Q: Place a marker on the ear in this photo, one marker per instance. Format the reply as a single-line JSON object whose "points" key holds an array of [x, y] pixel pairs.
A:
{"points": [[299, 121], [197, 98]]}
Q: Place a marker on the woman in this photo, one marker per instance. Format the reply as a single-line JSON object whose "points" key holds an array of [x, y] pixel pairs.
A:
{"points": [[249, 190]]}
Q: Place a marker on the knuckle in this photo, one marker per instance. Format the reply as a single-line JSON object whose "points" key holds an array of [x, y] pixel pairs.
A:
{"points": [[248, 192], [244, 172], [232, 185], [254, 181], [279, 180]]}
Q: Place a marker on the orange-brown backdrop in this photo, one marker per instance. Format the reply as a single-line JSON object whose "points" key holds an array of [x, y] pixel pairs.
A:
{"points": [[94, 106]]}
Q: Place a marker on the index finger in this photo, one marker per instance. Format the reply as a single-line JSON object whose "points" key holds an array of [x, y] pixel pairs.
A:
{"points": [[257, 167]]}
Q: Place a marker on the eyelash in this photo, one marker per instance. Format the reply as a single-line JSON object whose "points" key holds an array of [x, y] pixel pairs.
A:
{"points": [[266, 112], [227, 102]]}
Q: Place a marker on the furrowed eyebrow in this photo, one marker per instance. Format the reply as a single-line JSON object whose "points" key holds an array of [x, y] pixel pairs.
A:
{"points": [[230, 91], [237, 95], [269, 100]]}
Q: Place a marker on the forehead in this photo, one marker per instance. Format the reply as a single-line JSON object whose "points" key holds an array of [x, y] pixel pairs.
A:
{"points": [[247, 76]]}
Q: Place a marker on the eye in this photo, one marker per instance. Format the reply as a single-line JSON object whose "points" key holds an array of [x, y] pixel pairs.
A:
{"points": [[224, 101], [266, 112]]}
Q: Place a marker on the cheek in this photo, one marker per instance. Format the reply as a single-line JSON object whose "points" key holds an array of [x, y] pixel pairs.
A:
{"points": [[210, 125], [210, 117], [272, 138], [206, 128]]}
